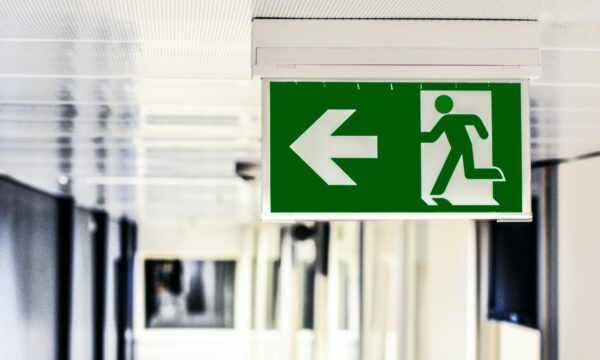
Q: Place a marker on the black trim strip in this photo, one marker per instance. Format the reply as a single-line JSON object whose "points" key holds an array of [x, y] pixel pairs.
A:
{"points": [[100, 246], [65, 216]]}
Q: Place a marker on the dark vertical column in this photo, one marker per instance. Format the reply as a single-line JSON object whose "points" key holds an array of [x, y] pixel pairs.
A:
{"points": [[552, 327], [130, 289], [128, 232], [548, 261], [65, 236], [513, 294], [122, 291], [100, 246], [322, 244]]}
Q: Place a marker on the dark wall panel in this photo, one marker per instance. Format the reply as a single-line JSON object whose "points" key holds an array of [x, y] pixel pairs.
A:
{"points": [[66, 276], [513, 273], [29, 274], [128, 245]]}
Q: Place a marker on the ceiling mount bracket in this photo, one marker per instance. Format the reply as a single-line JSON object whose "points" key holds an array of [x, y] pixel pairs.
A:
{"points": [[395, 49]]}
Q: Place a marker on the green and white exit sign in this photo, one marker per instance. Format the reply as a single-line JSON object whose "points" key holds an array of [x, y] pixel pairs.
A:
{"points": [[347, 150]]}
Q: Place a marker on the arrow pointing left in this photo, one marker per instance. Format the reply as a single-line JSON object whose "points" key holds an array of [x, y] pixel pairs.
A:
{"points": [[318, 147]]}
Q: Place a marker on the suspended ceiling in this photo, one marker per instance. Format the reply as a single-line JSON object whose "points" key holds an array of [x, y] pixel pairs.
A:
{"points": [[144, 107]]}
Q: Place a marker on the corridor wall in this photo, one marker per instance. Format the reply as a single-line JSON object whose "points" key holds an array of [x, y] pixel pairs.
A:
{"points": [[65, 285], [31, 278], [578, 265]]}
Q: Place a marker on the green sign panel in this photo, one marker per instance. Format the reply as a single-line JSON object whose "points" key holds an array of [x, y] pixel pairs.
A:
{"points": [[381, 150]]}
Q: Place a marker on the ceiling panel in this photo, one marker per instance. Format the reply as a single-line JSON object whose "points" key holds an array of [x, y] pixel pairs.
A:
{"points": [[216, 21], [145, 106], [150, 59]]}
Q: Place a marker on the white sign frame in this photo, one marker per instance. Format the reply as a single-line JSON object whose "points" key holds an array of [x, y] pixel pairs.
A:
{"points": [[268, 216]]}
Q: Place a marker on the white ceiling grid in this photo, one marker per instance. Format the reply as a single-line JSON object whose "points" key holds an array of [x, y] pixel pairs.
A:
{"points": [[78, 79]]}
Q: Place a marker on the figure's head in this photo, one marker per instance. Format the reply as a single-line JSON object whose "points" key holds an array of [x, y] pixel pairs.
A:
{"points": [[444, 104]]}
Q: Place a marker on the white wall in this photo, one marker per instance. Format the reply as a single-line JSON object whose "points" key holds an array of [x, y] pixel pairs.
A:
{"points": [[249, 340], [420, 298], [188, 239], [579, 260], [509, 341], [191, 238], [447, 310], [420, 292]]}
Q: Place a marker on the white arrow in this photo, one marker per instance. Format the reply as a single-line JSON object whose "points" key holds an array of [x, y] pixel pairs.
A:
{"points": [[317, 147]]}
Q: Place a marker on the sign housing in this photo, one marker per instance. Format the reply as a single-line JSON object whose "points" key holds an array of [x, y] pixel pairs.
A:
{"points": [[391, 119]]}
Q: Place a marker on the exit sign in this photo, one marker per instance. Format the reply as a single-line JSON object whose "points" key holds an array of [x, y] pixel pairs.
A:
{"points": [[347, 150]]}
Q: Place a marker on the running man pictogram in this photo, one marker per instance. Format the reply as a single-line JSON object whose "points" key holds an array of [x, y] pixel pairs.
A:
{"points": [[454, 126]]}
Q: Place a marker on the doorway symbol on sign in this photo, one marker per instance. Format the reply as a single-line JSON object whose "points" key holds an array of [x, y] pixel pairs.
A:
{"points": [[454, 126]]}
